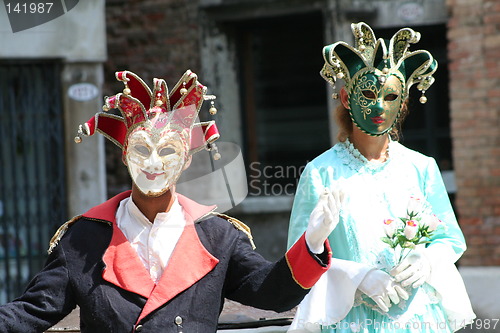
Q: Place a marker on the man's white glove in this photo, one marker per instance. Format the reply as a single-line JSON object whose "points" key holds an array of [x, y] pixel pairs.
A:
{"points": [[324, 218], [382, 289], [414, 270]]}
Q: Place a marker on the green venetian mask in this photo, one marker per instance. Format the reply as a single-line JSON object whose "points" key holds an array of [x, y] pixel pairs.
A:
{"points": [[375, 104], [378, 75]]}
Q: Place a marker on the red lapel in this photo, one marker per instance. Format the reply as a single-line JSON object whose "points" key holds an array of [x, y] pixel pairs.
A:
{"points": [[123, 267], [190, 260], [189, 263]]}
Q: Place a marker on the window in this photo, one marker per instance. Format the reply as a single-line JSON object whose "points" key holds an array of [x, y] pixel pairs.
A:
{"points": [[285, 112]]}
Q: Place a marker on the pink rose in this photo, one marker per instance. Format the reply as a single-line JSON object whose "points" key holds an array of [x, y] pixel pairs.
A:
{"points": [[432, 221], [414, 206], [390, 227], [411, 229]]}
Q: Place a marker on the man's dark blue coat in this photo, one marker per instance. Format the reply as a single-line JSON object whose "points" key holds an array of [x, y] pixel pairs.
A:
{"points": [[93, 266]]}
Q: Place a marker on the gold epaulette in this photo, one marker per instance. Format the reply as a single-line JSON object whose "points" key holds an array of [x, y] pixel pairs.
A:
{"points": [[62, 230], [238, 225], [59, 233]]}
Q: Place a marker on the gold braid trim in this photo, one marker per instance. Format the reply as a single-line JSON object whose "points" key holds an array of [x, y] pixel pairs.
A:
{"points": [[59, 233], [293, 275], [62, 230], [238, 225]]}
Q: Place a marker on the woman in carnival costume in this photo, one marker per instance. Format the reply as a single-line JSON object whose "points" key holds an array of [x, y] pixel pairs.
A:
{"points": [[150, 259], [397, 239]]}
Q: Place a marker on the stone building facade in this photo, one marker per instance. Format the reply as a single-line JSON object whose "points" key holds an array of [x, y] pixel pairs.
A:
{"points": [[262, 58]]}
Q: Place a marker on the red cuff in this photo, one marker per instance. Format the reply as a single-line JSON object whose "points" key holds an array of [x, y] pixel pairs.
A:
{"points": [[305, 266]]}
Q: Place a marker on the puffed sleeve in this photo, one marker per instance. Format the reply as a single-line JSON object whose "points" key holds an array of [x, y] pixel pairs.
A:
{"points": [[446, 247], [47, 299], [437, 196]]}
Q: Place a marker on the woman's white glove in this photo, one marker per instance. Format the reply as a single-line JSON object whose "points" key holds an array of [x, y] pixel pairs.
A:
{"points": [[382, 289], [414, 270], [324, 218]]}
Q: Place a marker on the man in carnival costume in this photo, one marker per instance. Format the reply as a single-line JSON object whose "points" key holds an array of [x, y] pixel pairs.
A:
{"points": [[150, 259], [394, 204]]}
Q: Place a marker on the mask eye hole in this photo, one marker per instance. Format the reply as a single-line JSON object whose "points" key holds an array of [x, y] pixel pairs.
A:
{"points": [[391, 97], [369, 94], [141, 149], [166, 151]]}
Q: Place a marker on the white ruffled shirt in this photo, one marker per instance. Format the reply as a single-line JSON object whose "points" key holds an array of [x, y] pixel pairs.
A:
{"points": [[155, 242]]}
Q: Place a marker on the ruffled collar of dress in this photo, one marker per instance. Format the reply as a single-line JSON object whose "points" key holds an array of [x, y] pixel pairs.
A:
{"points": [[351, 157]]}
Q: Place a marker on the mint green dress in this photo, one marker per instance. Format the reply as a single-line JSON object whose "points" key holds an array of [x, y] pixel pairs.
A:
{"points": [[373, 192]]}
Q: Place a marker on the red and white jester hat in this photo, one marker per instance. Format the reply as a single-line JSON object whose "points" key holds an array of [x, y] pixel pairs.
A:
{"points": [[138, 104]]}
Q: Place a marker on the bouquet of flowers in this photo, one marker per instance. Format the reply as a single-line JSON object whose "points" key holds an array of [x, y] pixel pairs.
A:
{"points": [[414, 229]]}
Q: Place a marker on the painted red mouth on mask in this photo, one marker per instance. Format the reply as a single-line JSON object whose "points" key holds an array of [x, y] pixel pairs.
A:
{"points": [[377, 120], [151, 176]]}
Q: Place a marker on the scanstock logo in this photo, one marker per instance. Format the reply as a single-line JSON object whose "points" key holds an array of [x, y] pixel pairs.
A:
{"points": [[28, 14]]}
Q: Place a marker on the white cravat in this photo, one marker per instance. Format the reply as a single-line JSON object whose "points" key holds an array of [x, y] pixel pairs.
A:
{"points": [[153, 242]]}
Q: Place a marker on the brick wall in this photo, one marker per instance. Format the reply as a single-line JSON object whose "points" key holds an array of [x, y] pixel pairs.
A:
{"points": [[152, 38], [474, 53]]}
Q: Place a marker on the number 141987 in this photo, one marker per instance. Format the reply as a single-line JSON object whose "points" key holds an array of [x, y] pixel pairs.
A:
{"points": [[29, 8], [484, 324]]}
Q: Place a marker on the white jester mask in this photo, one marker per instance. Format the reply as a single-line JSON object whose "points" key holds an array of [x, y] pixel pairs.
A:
{"points": [[157, 130], [156, 155]]}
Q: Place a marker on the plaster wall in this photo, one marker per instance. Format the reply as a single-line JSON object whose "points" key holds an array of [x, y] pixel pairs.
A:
{"points": [[77, 39], [78, 35]]}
